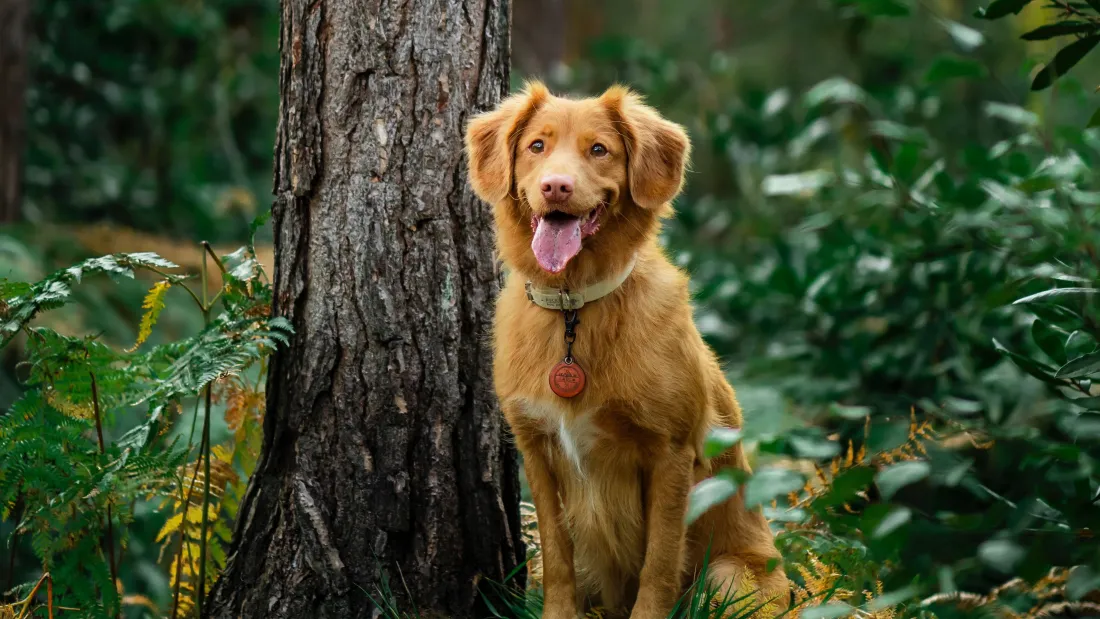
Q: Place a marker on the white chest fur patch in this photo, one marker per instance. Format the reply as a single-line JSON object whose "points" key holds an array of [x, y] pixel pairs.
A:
{"points": [[576, 434]]}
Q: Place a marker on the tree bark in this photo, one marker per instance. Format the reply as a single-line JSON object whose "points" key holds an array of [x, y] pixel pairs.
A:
{"points": [[14, 15], [386, 469]]}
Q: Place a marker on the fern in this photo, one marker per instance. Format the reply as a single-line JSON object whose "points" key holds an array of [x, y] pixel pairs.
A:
{"points": [[78, 487], [22, 302], [153, 304]]}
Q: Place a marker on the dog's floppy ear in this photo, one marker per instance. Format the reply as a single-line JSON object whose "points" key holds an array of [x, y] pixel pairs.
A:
{"points": [[657, 150], [491, 141]]}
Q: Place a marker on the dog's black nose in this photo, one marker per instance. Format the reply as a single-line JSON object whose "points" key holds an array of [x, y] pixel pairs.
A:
{"points": [[557, 188]]}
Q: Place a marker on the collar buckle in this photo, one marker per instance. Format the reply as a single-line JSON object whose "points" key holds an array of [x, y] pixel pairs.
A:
{"points": [[570, 300], [553, 298]]}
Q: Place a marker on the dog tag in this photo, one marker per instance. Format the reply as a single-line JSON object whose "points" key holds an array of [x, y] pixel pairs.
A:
{"points": [[567, 379]]}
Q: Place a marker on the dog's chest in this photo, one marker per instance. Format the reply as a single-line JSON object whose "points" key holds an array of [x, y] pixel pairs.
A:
{"points": [[575, 434]]}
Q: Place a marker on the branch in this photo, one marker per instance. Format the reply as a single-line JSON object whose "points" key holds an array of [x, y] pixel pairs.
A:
{"points": [[110, 541]]}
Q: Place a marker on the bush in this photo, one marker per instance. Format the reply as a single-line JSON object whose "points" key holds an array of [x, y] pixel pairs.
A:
{"points": [[99, 448]]}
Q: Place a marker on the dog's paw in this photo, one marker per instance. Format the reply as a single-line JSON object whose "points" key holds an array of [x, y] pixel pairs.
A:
{"points": [[561, 612], [643, 610]]}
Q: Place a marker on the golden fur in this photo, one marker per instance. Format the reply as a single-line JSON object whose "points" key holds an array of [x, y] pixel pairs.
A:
{"points": [[610, 470]]}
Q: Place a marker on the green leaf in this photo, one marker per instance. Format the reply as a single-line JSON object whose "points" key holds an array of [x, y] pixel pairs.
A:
{"points": [[846, 486], [1050, 339], [1083, 427], [1000, 554], [897, 131], [896, 476], [949, 66], [768, 484], [897, 518], [1011, 113], [850, 412], [1036, 184], [1079, 343], [1055, 292], [719, 440], [1094, 121], [835, 90], [1089, 403], [1050, 31], [1063, 61], [832, 610], [1039, 370], [1000, 8], [961, 406], [804, 184], [965, 36], [1080, 367], [814, 447], [707, 494], [892, 598]]}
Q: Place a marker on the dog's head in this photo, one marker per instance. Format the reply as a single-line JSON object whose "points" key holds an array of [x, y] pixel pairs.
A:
{"points": [[577, 185]]}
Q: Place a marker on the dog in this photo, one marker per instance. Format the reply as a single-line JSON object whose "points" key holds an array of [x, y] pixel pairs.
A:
{"points": [[601, 373]]}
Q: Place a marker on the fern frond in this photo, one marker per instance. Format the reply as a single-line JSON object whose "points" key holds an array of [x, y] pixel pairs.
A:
{"points": [[153, 304], [55, 290], [82, 410]]}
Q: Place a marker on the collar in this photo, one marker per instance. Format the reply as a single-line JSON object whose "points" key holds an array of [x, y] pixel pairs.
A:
{"points": [[561, 299]]}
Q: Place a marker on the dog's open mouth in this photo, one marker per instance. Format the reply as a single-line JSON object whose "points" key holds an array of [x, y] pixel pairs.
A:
{"points": [[558, 236]]}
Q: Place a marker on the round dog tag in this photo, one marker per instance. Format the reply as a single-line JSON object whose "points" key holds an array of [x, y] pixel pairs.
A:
{"points": [[567, 379]]}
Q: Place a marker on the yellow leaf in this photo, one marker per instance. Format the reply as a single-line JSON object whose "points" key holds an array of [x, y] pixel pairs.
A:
{"points": [[69, 408], [170, 527], [153, 304], [222, 454]]}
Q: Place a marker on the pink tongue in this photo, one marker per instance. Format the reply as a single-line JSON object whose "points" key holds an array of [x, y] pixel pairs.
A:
{"points": [[556, 242]]}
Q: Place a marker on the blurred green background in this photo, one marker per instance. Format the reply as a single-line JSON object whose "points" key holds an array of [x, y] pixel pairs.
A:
{"points": [[873, 184]]}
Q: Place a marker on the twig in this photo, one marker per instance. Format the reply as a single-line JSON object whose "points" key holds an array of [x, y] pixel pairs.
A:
{"points": [[217, 260], [205, 452], [26, 602], [183, 531], [110, 521], [205, 502], [1072, 10], [179, 283]]}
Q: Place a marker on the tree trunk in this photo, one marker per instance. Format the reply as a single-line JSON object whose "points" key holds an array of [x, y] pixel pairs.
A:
{"points": [[14, 15], [386, 469]]}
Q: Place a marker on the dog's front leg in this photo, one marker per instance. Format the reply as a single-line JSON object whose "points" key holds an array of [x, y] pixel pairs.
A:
{"points": [[559, 580], [667, 486]]}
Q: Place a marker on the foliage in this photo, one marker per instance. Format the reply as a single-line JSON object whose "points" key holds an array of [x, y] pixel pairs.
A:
{"points": [[891, 289], [157, 115], [1080, 20], [73, 485], [855, 252], [857, 242]]}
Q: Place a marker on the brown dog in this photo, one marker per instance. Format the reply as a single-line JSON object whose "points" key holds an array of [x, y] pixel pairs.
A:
{"points": [[611, 437]]}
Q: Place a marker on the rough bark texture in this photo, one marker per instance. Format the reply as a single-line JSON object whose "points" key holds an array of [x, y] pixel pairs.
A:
{"points": [[385, 457], [13, 88]]}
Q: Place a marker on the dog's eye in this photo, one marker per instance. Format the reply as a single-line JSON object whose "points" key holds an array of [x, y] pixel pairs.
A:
{"points": [[536, 147], [599, 150]]}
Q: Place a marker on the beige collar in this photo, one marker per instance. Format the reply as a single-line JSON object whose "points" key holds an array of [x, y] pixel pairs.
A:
{"points": [[561, 299]]}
